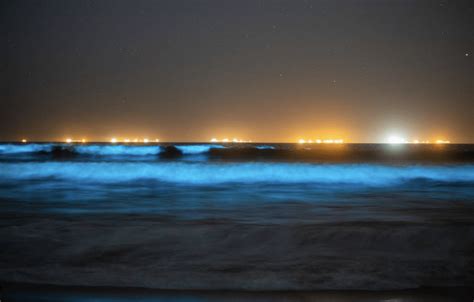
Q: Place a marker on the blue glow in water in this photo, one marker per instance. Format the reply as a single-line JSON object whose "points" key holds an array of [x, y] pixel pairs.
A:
{"points": [[197, 149], [212, 173], [24, 148], [117, 150]]}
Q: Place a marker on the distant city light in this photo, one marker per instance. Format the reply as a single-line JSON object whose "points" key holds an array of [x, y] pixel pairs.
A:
{"points": [[126, 140], [83, 141], [113, 140], [396, 140], [145, 140], [321, 141], [226, 140], [157, 140], [400, 140], [24, 140], [68, 140]]}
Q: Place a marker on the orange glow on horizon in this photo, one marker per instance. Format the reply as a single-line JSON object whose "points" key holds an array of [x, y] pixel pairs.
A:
{"points": [[226, 140], [321, 141]]}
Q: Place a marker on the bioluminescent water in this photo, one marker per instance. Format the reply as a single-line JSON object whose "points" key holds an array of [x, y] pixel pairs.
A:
{"points": [[237, 216]]}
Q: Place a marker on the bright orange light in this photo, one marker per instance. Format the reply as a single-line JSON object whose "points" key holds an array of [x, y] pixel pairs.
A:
{"points": [[157, 140], [83, 140], [24, 141], [135, 140], [126, 140], [225, 140], [113, 140], [145, 140], [214, 140], [68, 140], [321, 141], [440, 141]]}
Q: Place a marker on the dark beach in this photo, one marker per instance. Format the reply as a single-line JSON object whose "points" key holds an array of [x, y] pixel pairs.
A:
{"points": [[41, 293]]}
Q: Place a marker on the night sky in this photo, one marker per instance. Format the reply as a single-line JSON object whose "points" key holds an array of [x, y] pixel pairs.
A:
{"points": [[259, 70]]}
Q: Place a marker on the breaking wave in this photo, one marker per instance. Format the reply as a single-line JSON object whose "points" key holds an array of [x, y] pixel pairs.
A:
{"points": [[197, 149], [117, 150], [24, 148], [209, 173], [103, 149]]}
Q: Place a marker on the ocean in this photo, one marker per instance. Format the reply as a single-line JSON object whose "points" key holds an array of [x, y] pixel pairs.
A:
{"points": [[258, 217]]}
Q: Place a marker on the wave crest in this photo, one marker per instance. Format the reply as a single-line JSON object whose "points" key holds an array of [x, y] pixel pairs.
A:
{"points": [[208, 173]]}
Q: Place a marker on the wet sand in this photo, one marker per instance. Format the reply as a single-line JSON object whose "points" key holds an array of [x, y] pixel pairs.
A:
{"points": [[16, 292], [162, 252]]}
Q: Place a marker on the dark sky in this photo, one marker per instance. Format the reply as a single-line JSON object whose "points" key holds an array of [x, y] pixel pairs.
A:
{"points": [[261, 70]]}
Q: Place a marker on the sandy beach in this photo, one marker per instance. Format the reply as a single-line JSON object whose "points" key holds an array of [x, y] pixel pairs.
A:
{"points": [[163, 253]]}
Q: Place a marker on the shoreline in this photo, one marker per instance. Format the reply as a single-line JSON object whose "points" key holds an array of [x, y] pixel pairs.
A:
{"points": [[14, 291], [146, 251]]}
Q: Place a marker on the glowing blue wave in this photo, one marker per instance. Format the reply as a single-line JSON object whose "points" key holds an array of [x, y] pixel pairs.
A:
{"points": [[104, 149], [117, 150], [209, 173], [24, 148], [264, 147], [197, 149]]}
